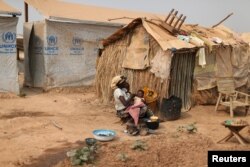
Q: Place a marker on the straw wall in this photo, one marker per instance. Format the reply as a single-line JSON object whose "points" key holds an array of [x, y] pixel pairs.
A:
{"points": [[110, 65]]}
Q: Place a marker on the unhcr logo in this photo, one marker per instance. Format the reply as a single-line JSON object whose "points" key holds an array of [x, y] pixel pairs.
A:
{"points": [[52, 40], [52, 49], [76, 49], [76, 41], [9, 37]]}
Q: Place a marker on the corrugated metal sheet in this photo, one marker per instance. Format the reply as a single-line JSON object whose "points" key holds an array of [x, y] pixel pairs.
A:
{"points": [[7, 9], [66, 10], [181, 77]]}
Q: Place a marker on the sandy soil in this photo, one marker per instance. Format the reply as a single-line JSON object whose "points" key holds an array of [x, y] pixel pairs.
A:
{"points": [[28, 137]]}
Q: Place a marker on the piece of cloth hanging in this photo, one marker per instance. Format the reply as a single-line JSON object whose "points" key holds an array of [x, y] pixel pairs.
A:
{"points": [[201, 52], [161, 64], [202, 57], [138, 50]]}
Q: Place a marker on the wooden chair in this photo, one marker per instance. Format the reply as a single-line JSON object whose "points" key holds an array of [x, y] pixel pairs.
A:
{"points": [[229, 97]]}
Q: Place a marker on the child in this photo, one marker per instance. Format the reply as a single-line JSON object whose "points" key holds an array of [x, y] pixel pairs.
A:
{"points": [[137, 110], [134, 109], [139, 98]]}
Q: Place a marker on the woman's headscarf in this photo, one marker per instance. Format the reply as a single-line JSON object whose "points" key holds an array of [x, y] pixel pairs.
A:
{"points": [[117, 80]]}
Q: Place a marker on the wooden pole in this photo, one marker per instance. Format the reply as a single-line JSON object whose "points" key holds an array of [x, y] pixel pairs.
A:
{"points": [[182, 21], [120, 18], [169, 15], [173, 17], [177, 21], [26, 12], [222, 20]]}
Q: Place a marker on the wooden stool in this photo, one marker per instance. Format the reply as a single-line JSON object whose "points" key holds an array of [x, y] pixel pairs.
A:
{"points": [[234, 131]]}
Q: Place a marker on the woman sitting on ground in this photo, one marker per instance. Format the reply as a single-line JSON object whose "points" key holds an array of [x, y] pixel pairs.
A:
{"points": [[124, 99]]}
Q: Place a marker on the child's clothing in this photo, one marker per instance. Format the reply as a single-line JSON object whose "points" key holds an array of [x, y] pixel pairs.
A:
{"points": [[134, 110], [138, 100]]}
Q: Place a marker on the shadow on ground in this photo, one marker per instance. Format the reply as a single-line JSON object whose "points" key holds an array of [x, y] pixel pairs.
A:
{"points": [[20, 113], [53, 156]]}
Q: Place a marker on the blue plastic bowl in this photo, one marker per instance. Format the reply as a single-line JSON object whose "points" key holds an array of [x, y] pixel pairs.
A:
{"points": [[104, 134]]}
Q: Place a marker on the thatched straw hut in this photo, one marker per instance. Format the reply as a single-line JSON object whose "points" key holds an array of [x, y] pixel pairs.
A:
{"points": [[152, 45], [179, 70]]}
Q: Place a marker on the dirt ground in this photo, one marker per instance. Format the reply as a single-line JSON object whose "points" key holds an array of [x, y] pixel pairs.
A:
{"points": [[29, 137]]}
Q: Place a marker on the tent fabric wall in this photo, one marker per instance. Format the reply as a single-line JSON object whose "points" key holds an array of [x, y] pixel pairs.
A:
{"points": [[63, 53], [27, 29], [205, 77], [231, 57], [34, 60], [241, 65], [8, 60], [224, 61]]}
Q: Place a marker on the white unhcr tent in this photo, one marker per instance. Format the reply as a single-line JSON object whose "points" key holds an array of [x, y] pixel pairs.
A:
{"points": [[62, 49], [8, 60]]}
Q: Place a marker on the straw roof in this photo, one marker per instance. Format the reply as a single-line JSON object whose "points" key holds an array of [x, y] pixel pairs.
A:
{"points": [[66, 10], [228, 36], [7, 9], [246, 37]]}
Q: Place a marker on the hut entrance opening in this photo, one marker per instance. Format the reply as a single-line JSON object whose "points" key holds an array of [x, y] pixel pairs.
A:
{"points": [[181, 77]]}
